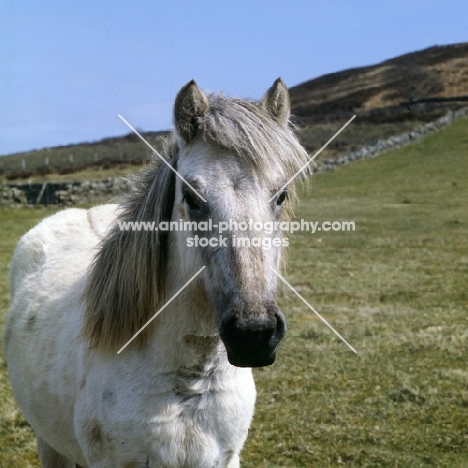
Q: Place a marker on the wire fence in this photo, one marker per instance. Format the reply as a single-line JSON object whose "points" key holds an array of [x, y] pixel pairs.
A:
{"points": [[69, 159]]}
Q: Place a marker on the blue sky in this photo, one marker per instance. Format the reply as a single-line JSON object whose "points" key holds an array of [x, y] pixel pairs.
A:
{"points": [[68, 68]]}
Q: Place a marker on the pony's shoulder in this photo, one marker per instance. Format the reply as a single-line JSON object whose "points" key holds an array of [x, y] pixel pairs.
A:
{"points": [[70, 231], [101, 218], [69, 226]]}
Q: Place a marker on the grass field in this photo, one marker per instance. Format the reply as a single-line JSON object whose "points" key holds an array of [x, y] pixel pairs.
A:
{"points": [[396, 289]]}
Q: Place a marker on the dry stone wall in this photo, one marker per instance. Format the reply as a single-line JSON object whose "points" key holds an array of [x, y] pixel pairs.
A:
{"points": [[49, 193], [92, 191], [393, 142]]}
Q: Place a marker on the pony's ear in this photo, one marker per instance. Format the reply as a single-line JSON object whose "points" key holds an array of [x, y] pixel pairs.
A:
{"points": [[190, 107], [276, 102]]}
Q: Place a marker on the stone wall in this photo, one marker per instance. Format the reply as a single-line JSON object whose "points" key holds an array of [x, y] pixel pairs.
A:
{"points": [[89, 191], [49, 193], [108, 189], [393, 142]]}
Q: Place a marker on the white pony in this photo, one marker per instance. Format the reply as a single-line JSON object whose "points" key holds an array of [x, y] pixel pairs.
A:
{"points": [[181, 395]]}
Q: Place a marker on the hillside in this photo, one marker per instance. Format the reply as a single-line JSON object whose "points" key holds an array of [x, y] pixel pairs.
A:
{"points": [[419, 81], [390, 98]]}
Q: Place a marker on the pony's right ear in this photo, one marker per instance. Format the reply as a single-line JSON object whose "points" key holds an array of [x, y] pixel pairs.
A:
{"points": [[277, 103], [190, 107]]}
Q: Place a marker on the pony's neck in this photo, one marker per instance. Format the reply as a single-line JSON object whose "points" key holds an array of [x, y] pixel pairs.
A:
{"points": [[189, 319], [195, 314]]}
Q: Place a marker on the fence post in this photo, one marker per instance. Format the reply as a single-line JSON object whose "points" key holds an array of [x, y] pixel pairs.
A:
{"points": [[70, 159], [23, 165], [41, 193]]}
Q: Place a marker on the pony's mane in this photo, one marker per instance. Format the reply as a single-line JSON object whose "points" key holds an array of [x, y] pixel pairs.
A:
{"points": [[125, 287]]}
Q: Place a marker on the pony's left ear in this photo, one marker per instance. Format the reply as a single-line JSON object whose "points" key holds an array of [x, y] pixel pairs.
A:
{"points": [[191, 105], [276, 102]]}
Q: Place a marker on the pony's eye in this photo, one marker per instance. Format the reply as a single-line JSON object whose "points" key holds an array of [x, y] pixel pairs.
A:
{"points": [[281, 197], [191, 202]]}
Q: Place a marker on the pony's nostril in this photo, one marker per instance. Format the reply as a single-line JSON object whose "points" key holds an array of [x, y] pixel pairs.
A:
{"points": [[279, 331], [280, 324]]}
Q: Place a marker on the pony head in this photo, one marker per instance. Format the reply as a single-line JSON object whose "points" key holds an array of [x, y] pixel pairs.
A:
{"points": [[232, 157]]}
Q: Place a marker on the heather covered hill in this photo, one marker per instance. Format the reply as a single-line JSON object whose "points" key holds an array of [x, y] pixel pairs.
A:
{"points": [[436, 75]]}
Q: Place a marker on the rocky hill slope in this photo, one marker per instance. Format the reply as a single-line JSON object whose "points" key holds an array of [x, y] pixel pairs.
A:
{"points": [[423, 80]]}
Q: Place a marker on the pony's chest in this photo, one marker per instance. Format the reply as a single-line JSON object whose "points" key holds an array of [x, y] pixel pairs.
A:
{"points": [[203, 422], [195, 414], [199, 376]]}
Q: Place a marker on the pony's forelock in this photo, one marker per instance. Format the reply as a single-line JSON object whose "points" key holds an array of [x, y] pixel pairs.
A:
{"points": [[245, 128]]}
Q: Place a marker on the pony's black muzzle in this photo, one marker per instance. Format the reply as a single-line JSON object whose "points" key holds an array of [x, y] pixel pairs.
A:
{"points": [[252, 342]]}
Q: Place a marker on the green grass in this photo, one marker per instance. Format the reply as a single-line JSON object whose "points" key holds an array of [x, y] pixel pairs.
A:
{"points": [[396, 289]]}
